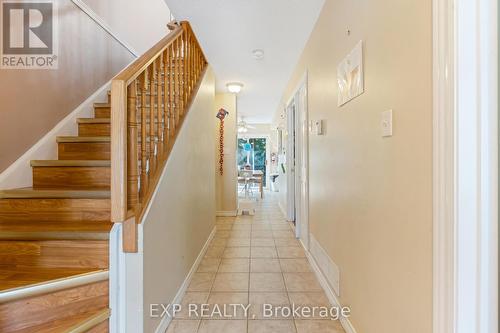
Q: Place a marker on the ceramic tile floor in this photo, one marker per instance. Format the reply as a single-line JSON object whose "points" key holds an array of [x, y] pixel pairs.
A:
{"points": [[254, 260]]}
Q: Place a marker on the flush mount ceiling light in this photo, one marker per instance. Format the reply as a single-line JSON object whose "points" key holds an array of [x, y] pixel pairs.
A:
{"points": [[234, 87], [258, 54]]}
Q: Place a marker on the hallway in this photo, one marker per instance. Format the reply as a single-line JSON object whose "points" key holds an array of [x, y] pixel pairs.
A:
{"points": [[254, 260]]}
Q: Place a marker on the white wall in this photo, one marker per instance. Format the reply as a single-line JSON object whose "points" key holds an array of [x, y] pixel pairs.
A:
{"points": [[182, 213], [139, 23]]}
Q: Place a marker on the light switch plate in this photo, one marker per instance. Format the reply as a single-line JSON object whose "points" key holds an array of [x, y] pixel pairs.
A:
{"points": [[318, 125], [386, 123]]}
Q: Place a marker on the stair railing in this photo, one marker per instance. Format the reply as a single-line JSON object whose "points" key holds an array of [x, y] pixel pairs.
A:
{"points": [[149, 101]]}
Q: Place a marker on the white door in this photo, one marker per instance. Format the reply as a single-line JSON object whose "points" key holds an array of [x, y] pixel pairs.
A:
{"points": [[303, 165]]}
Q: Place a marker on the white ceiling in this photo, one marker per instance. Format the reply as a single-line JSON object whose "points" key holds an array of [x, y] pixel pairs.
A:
{"points": [[228, 31]]}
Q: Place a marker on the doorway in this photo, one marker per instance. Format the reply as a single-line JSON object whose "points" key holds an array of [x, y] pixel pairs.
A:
{"points": [[253, 152], [297, 161]]}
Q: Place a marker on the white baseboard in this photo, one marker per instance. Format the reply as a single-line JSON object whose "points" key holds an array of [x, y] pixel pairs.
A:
{"points": [[332, 297], [328, 267], [166, 320], [19, 173], [226, 213]]}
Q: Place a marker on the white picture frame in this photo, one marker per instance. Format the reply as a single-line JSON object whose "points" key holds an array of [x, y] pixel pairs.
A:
{"points": [[350, 75]]}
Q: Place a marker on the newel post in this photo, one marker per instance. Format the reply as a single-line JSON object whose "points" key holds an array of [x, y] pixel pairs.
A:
{"points": [[119, 163]]}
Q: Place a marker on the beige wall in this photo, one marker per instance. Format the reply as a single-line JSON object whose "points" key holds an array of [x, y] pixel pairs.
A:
{"points": [[182, 214], [34, 101], [226, 183], [371, 197], [150, 17]]}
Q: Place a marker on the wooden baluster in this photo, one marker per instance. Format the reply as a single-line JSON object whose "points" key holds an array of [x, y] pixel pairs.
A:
{"points": [[152, 102], [174, 88], [144, 152], [181, 74], [132, 154], [185, 68], [191, 62], [179, 77], [196, 66], [195, 53], [166, 108], [186, 64], [159, 105], [192, 65], [171, 119], [176, 84]]}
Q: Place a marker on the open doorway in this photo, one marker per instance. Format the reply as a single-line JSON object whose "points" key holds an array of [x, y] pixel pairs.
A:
{"points": [[297, 161], [253, 154]]}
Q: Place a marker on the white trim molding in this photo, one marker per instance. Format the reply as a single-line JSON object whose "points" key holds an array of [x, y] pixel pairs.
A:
{"points": [[324, 280], [443, 169], [465, 166], [97, 19], [476, 167]]}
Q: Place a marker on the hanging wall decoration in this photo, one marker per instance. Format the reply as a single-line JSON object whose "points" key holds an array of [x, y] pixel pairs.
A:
{"points": [[350, 75], [221, 115]]}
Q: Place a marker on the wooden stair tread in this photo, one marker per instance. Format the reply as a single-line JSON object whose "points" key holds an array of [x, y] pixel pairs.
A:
{"points": [[70, 163], [55, 226], [54, 235], [93, 120], [79, 139], [30, 193], [102, 105], [13, 278], [74, 324]]}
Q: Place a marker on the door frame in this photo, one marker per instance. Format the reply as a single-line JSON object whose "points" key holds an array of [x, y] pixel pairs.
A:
{"points": [[302, 164], [298, 200], [290, 160], [465, 163], [268, 151]]}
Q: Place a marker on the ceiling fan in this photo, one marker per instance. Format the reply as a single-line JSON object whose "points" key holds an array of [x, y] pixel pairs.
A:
{"points": [[243, 126]]}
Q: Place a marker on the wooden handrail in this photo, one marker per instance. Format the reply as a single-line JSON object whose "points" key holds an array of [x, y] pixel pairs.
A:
{"points": [[149, 101]]}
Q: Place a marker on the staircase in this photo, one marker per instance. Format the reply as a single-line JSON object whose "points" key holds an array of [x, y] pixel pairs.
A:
{"points": [[54, 236]]}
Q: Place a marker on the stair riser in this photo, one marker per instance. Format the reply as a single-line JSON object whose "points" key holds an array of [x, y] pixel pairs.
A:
{"points": [[67, 254], [54, 210], [102, 112], [87, 130], [94, 129], [26, 314], [84, 150], [72, 177]]}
